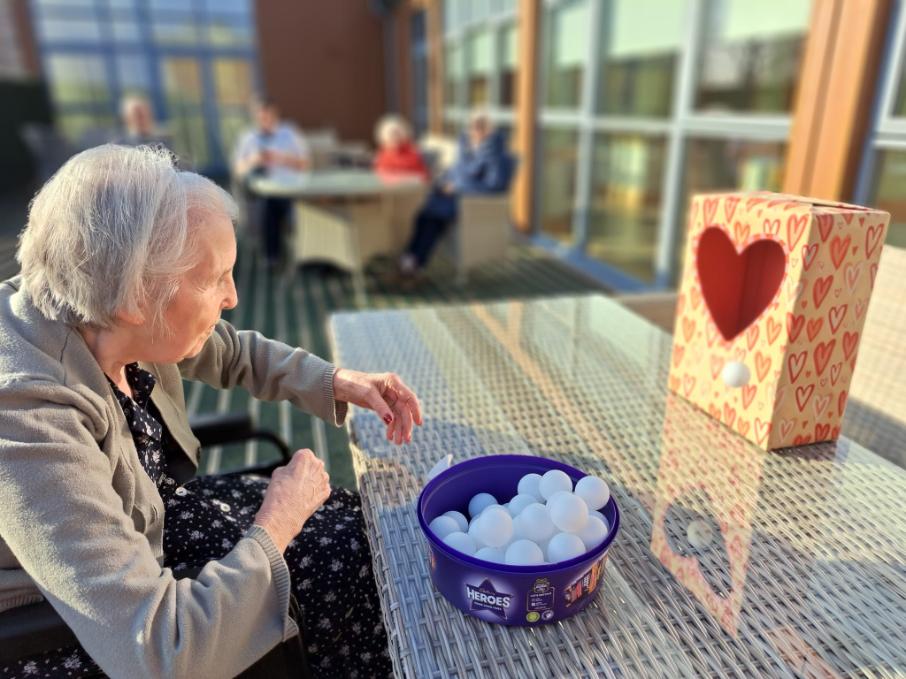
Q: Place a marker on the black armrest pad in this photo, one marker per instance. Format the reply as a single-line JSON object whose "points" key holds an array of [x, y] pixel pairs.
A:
{"points": [[215, 428], [35, 628]]}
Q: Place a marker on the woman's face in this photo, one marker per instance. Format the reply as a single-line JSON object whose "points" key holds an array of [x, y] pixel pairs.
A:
{"points": [[205, 290]]}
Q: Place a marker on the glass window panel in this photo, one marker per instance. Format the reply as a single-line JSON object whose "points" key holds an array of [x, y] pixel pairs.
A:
{"points": [[558, 182], [228, 6], [230, 33], [188, 129], [479, 52], [78, 127], [751, 60], [638, 56], [726, 164], [453, 72], [626, 196], [232, 124], [233, 81], [565, 47], [53, 29], [182, 6], [133, 73], [509, 73], [899, 104], [449, 16], [889, 193], [121, 4], [182, 81], [126, 30], [175, 33], [64, 3], [77, 79]]}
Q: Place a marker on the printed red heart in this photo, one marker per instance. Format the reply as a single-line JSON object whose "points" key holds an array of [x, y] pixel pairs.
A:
{"points": [[696, 295], [820, 405], [860, 307], [762, 429], [803, 394], [688, 384], [771, 226], [825, 222], [836, 315], [753, 201], [742, 426], [709, 210], [822, 432], [839, 247], [795, 364], [841, 403], [795, 227], [835, 372], [773, 330], [741, 231], [688, 328], [717, 364], [874, 272], [813, 327], [802, 440], [850, 340], [674, 383], [872, 238], [822, 287], [678, 352], [823, 351], [714, 412], [808, 254], [835, 433], [794, 325], [848, 217], [729, 414], [752, 336], [786, 426], [748, 395], [730, 203], [852, 271], [737, 288], [762, 365]]}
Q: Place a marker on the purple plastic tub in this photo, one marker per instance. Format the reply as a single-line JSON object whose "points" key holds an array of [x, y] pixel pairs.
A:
{"points": [[507, 595]]}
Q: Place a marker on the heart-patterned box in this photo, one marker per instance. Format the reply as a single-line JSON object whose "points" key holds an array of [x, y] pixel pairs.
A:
{"points": [[770, 310]]}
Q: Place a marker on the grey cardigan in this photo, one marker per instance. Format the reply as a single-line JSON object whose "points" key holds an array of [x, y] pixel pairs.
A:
{"points": [[81, 523]]}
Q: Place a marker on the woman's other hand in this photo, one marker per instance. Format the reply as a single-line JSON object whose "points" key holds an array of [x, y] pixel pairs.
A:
{"points": [[384, 393], [295, 492]]}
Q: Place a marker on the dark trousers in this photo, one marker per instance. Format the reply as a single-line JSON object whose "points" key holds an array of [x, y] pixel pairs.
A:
{"points": [[428, 231], [276, 211]]}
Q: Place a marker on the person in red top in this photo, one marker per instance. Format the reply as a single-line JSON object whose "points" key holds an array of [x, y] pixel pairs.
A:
{"points": [[396, 153]]}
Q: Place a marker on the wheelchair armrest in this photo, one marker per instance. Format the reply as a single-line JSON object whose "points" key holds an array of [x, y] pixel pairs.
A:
{"points": [[215, 429], [35, 628]]}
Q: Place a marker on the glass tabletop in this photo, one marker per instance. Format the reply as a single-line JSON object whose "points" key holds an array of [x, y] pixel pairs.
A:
{"points": [[288, 184], [730, 561]]}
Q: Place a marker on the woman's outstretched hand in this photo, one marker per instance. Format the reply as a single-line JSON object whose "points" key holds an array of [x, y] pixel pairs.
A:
{"points": [[384, 393], [295, 492]]}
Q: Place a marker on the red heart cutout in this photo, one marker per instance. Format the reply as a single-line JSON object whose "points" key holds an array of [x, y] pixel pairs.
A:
{"points": [[737, 287]]}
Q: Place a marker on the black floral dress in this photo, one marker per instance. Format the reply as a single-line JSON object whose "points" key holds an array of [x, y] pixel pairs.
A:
{"points": [[329, 561]]}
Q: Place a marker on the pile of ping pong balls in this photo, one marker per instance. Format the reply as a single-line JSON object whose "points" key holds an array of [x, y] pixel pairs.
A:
{"points": [[546, 522]]}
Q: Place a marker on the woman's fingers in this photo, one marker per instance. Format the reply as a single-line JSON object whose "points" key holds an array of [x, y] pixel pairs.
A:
{"points": [[406, 396], [404, 420], [376, 402]]}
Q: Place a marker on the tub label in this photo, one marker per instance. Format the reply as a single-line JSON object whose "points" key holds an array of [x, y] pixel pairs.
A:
{"points": [[585, 585], [540, 599], [486, 598]]}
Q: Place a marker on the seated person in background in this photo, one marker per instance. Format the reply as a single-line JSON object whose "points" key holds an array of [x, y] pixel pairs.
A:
{"points": [[482, 165], [396, 153], [139, 126], [272, 148]]}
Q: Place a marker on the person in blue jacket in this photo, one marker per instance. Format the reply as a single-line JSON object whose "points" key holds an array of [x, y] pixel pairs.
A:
{"points": [[483, 165]]}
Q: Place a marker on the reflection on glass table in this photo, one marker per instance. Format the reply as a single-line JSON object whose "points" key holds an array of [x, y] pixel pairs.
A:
{"points": [[730, 561]]}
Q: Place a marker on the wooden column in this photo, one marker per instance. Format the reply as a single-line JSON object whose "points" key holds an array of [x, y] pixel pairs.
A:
{"points": [[837, 86], [529, 18], [435, 27]]}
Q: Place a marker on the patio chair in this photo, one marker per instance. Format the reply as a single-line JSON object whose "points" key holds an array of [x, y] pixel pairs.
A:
{"points": [[48, 149], [483, 230], [36, 628]]}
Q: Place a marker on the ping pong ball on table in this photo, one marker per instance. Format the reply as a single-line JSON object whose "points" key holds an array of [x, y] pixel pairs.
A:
{"points": [[553, 482], [568, 512]]}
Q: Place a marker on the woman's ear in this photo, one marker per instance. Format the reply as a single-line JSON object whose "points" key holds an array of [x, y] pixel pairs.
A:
{"points": [[131, 317]]}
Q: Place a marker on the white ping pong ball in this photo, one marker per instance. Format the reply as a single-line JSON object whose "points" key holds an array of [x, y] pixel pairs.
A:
{"points": [[442, 526], [563, 547], [594, 491], [524, 553], [568, 512], [528, 485], [735, 374], [554, 481], [480, 502]]}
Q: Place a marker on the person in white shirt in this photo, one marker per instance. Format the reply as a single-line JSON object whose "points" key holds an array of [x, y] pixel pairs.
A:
{"points": [[272, 148]]}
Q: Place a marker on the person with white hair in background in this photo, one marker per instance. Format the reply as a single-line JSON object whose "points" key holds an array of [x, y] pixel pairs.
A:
{"points": [[126, 267], [396, 153], [139, 126], [482, 165]]}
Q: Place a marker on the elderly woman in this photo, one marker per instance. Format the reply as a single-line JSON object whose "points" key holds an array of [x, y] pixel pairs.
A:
{"points": [[126, 267], [396, 153]]}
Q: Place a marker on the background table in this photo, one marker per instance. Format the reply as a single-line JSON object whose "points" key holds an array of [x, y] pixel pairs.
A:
{"points": [[345, 217], [805, 574]]}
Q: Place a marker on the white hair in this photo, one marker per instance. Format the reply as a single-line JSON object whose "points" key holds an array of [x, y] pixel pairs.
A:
{"points": [[389, 124], [114, 230]]}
